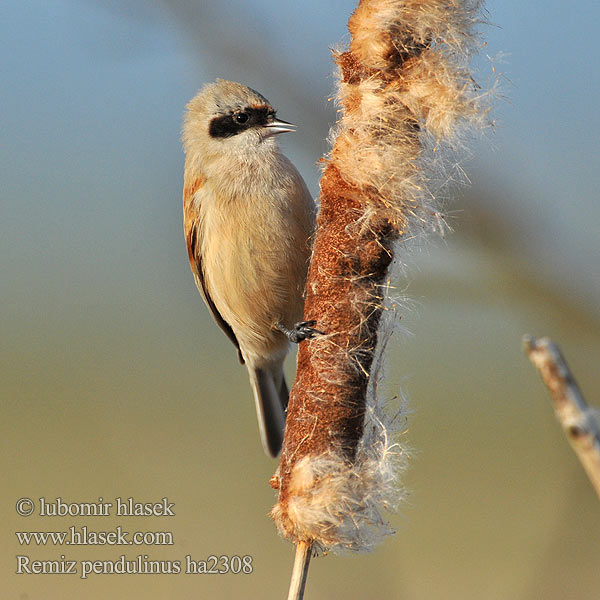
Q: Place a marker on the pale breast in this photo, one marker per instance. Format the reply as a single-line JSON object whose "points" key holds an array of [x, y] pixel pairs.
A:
{"points": [[255, 253]]}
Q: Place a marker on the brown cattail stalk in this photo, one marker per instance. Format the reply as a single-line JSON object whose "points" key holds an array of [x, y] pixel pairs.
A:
{"points": [[404, 91]]}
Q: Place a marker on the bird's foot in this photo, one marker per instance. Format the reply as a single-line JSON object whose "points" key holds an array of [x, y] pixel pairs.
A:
{"points": [[302, 331]]}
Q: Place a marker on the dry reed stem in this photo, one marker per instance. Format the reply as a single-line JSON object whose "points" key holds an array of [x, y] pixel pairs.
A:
{"points": [[578, 421]]}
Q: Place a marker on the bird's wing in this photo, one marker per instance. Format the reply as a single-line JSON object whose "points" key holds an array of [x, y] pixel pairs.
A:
{"points": [[191, 226]]}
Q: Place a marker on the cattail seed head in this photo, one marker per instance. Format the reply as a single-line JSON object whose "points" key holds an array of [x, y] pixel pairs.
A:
{"points": [[406, 93]]}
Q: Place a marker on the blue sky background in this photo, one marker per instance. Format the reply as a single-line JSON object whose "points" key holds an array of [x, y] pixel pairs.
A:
{"points": [[93, 94]]}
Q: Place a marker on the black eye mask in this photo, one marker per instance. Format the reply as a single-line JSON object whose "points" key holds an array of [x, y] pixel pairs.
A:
{"points": [[231, 124]]}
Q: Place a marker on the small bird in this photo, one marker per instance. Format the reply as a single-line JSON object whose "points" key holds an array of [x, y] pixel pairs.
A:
{"points": [[248, 222]]}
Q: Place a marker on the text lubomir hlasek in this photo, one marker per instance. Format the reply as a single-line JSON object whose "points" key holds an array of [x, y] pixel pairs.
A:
{"points": [[122, 508]]}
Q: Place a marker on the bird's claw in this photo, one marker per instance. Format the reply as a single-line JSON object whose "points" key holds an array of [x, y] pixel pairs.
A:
{"points": [[305, 330], [302, 331]]}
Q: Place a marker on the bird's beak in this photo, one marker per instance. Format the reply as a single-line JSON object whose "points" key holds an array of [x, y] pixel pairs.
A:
{"points": [[278, 126]]}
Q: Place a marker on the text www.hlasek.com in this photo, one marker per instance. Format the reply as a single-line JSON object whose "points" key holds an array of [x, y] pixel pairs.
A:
{"points": [[82, 536]]}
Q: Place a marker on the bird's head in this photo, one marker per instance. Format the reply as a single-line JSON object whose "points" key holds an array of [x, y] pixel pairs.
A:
{"points": [[227, 119]]}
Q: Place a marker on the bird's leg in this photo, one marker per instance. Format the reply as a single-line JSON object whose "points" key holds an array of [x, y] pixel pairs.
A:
{"points": [[302, 331]]}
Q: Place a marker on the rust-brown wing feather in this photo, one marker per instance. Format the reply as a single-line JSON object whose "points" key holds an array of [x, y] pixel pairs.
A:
{"points": [[192, 239]]}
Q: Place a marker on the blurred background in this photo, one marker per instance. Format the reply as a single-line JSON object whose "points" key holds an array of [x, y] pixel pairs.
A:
{"points": [[115, 381]]}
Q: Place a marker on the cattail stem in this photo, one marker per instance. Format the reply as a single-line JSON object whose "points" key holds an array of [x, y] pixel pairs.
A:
{"points": [[300, 570], [570, 407]]}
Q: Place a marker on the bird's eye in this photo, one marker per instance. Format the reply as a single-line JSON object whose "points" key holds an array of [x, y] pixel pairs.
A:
{"points": [[241, 117]]}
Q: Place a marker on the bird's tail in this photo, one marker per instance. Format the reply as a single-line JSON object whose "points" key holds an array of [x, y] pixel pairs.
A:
{"points": [[271, 398]]}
